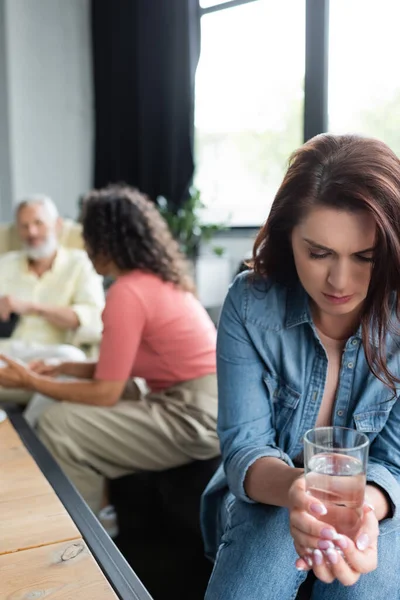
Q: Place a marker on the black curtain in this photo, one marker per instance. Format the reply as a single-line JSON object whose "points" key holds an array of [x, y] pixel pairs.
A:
{"points": [[145, 54]]}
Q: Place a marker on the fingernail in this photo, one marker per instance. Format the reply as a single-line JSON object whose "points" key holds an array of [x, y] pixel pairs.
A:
{"points": [[318, 558], [332, 556], [341, 542], [308, 560], [324, 544], [369, 506], [330, 534], [301, 568], [318, 509], [309, 550], [362, 541]]}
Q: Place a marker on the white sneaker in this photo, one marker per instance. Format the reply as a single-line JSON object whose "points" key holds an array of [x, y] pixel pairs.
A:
{"points": [[108, 518]]}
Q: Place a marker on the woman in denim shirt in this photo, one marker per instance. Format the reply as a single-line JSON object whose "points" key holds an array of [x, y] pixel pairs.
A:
{"points": [[310, 338]]}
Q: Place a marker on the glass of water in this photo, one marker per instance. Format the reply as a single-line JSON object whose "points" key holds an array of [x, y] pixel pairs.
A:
{"points": [[335, 464]]}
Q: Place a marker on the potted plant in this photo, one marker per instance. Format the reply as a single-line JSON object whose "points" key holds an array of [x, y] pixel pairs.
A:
{"points": [[187, 226]]}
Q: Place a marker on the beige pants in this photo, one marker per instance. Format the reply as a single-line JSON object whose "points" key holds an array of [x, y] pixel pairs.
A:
{"points": [[151, 432]]}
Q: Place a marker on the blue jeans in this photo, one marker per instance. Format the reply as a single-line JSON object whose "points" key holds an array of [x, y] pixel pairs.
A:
{"points": [[255, 560]]}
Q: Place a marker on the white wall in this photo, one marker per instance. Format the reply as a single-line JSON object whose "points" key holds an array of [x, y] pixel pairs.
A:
{"points": [[213, 275], [5, 158], [50, 99]]}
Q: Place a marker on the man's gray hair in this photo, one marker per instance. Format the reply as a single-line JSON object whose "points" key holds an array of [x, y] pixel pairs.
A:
{"points": [[47, 202]]}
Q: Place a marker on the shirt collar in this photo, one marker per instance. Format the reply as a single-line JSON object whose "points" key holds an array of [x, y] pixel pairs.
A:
{"points": [[58, 261], [297, 306]]}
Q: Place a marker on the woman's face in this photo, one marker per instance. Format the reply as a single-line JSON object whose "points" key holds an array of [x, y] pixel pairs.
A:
{"points": [[333, 252]]}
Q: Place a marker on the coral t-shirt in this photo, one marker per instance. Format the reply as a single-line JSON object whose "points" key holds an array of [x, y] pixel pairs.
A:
{"points": [[154, 330]]}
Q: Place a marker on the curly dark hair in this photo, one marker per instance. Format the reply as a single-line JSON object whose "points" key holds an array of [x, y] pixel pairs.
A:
{"points": [[122, 224]]}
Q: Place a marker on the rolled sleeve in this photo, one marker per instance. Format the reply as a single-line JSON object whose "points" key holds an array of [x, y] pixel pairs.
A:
{"points": [[89, 317], [241, 464], [381, 476], [88, 300], [384, 462]]}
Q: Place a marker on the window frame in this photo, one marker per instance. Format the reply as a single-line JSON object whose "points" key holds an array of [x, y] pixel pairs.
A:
{"points": [[315, 113]]}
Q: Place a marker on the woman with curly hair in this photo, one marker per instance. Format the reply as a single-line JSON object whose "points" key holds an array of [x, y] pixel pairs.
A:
{"points": [[155, 329]]}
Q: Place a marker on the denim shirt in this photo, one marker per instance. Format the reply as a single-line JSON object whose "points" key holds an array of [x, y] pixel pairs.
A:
{"points": [[272, 368]]}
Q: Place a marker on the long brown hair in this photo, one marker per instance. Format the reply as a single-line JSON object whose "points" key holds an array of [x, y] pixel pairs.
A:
{"points": [[124, 225], [351, 173]]}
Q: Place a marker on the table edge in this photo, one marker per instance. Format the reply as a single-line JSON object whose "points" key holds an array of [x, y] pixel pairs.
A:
{"points": [[114, 566]]}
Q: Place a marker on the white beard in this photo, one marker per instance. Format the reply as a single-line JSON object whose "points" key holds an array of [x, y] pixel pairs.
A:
{"points": [[48, 248]]}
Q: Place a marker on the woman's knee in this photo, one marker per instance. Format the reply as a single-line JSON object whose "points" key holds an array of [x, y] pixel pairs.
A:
{"points": [[267, 528]]}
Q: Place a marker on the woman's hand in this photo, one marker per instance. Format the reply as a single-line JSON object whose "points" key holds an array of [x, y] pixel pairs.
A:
{"points": [[346, 560], [48, 368], [15, 374], [330, 555], [305, 527], [54, 367]]}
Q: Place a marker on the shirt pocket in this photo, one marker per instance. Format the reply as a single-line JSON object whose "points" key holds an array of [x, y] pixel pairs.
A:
{"points": [[371, 422], [285, 399]]}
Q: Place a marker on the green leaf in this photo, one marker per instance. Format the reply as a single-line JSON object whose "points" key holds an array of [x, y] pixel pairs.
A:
{"points": [[186, 224]]}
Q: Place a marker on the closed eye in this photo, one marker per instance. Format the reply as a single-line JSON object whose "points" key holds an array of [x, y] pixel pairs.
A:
{"points": [[318, 255], [368, 259]]}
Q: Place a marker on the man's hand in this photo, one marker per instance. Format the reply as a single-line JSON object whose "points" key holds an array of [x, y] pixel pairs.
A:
{"points": [[48, 367], [11, 304], [15, 374]]}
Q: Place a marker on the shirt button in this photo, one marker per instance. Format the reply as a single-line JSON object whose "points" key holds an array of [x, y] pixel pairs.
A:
{"points": [[354, 342], [339, 413], [350, 365]]}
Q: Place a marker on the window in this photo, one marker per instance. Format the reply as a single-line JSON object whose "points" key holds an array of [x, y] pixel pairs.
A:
{"points": [[249, 105], [364, 85]]}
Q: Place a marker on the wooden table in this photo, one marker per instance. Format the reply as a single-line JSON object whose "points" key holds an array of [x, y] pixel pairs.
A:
{"points": [[43, 553]]}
